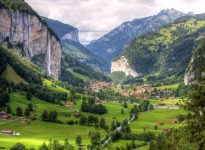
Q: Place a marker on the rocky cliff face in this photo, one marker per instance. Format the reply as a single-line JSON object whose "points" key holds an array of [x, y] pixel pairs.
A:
{"points": [[121, 65], [71, 45], [196, 69], [73, 36], [30, 37], [64, 31]]}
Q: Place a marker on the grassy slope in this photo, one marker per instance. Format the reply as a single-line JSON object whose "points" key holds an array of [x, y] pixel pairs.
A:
{"points": [[21, 60], [53, 86], [10, 75], [80, 76]]}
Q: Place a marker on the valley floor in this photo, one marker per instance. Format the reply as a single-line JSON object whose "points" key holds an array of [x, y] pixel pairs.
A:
{"points": [[37, 132]]}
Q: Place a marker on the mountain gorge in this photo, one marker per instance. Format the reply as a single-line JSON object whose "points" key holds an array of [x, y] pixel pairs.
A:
{"points": [[71, 45], [25, 32], [113, 43]]}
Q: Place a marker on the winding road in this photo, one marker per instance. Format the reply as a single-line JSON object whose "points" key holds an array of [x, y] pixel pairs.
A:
{"points": [[118, 129]]}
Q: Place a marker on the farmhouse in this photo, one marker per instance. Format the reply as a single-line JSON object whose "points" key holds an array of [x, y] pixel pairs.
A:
{"points": [[9, 132], [4, 115], [69, 105], [77, 114]]}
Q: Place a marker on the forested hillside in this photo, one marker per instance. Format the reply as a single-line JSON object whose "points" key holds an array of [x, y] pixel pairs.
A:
{"points": [[167, 52], [70, 64]]}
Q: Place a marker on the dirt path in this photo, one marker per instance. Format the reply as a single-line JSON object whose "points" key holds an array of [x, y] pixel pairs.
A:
{"points": [[13, 120]]}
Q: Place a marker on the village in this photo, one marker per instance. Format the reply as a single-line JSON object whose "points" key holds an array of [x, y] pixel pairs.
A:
{"points": [[145, 91]]}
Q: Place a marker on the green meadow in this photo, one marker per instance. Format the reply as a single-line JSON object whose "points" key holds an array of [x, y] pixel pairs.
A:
{"points": [[38, 132], [163, 118]]}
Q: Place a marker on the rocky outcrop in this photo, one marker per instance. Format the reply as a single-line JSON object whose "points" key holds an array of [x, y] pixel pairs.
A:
{"points": [[64, 31], [121, 65], [73, 36], [32, 39], [196, 69]]}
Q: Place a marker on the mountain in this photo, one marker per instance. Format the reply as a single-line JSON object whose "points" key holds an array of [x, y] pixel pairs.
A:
{"points": [[71, 45], [195, 71], [167, 52], [23, 30], [112, 44]]}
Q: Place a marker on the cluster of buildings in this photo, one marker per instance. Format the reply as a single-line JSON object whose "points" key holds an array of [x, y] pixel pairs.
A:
{"points": [[97, 86], [147, 91]]}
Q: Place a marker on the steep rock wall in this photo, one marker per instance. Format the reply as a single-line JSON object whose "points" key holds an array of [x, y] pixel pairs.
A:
{"points": [[121, 65], [196, 69], [33, 37], [73, 36]]}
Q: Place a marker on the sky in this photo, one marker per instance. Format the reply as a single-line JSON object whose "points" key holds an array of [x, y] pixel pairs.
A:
{"points": [[94, 18]]}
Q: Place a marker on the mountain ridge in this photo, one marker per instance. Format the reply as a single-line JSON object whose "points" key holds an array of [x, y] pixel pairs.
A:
{"points": [[112, 44]]}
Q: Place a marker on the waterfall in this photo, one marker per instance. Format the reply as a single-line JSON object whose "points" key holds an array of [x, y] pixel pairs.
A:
{"points": [[49, 55]]}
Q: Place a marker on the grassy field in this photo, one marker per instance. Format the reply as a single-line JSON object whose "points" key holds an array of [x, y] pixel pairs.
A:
{"points": [[168, 101], [37, 132], [147, 120], [171, 87]]}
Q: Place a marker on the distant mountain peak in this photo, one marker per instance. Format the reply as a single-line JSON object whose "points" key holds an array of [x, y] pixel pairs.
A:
{"points": [[171, 11]]}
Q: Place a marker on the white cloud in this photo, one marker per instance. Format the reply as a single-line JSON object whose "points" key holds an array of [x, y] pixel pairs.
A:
{"points": [[98, 17]]}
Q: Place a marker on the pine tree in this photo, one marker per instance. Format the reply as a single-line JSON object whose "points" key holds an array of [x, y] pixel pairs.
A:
{"points": [[78, 140], [26, 112], [19, 111]]}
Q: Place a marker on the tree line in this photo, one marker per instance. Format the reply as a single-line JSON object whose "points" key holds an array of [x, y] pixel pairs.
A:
{"points": [[88, 105]]}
